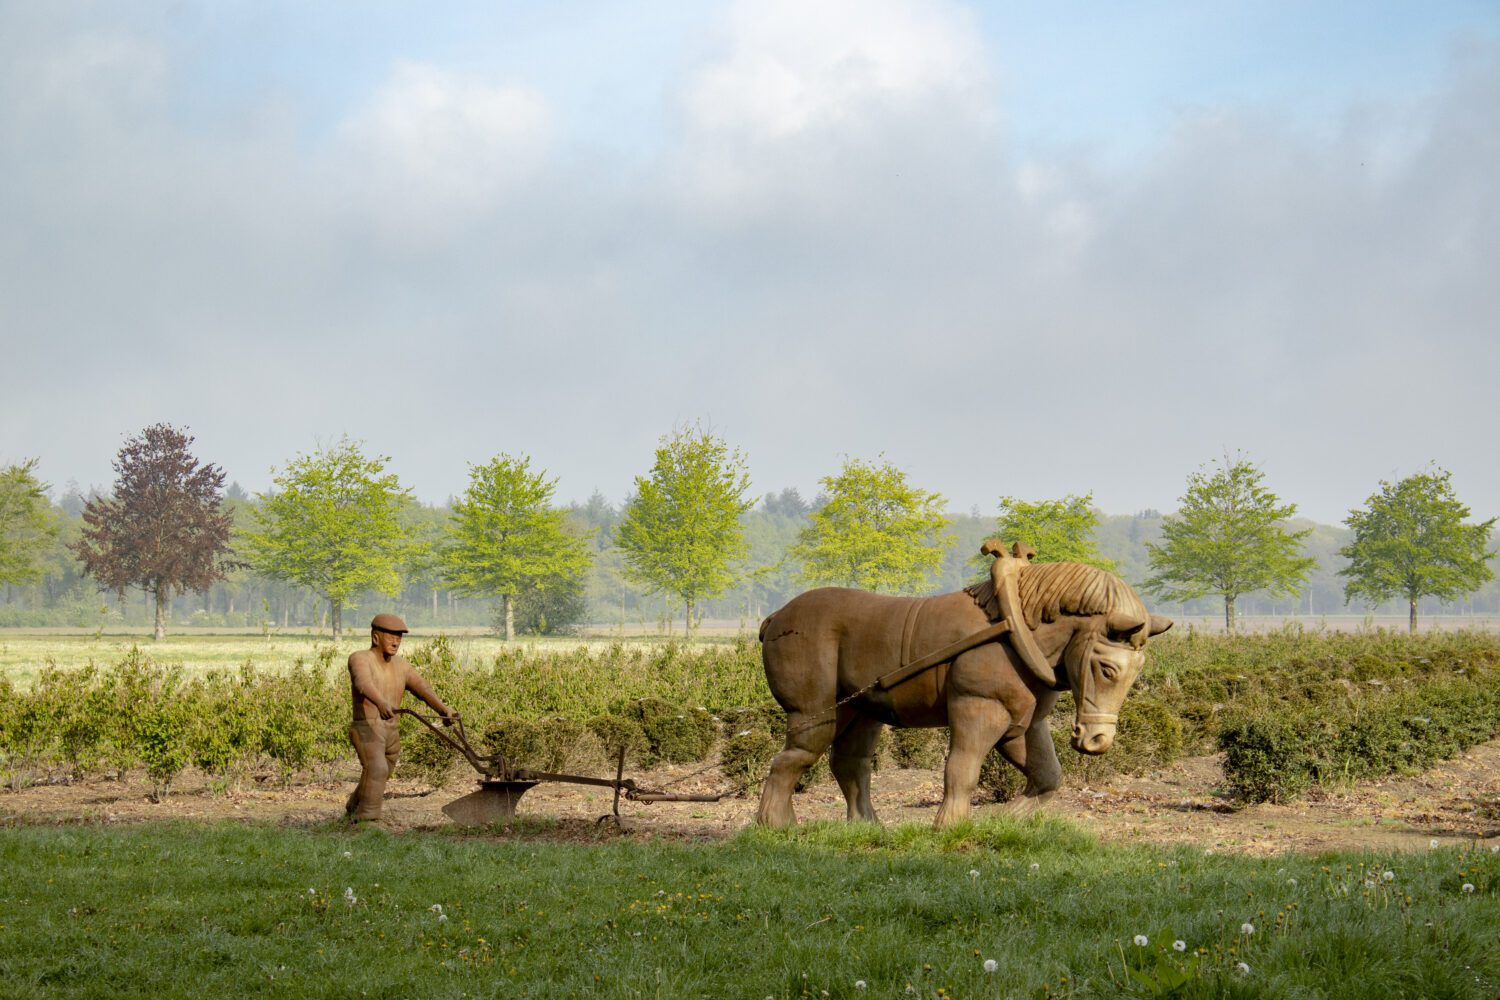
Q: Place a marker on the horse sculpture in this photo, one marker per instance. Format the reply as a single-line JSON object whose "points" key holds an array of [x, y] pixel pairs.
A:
{"points": [[988, 662]]}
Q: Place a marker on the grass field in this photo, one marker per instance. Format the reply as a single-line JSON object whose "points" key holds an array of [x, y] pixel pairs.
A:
{"points": [[25, 651], [179, 910]]}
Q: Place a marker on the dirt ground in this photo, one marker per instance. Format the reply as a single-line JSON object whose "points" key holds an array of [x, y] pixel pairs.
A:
{"points": [[1456, 802]]}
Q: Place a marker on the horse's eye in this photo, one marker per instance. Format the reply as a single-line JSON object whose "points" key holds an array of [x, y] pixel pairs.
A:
{"points": [[1109, 673]]}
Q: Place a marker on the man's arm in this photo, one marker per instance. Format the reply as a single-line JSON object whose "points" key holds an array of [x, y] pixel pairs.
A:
{"points": [[364, 683], [417, 685]]}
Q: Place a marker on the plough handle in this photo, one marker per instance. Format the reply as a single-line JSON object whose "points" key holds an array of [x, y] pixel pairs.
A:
{"points": [[492, 766]]}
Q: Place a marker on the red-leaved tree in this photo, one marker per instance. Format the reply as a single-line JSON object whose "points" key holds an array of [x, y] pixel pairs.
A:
{"points": [[164, 528]]}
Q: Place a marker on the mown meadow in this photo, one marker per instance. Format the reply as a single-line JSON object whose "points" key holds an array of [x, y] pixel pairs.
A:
{"points": [[998, 908]]}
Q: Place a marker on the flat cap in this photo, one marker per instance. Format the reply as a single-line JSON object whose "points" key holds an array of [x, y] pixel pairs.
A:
{"points": [[389, 623]]}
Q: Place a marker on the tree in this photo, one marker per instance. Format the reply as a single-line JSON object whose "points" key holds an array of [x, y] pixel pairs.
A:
{"points": [[1060, 530], [332, 522], [164, 528], [505, 538], [1411, 541], [681, 532], [26, 523], [1227, 538], [875, 532]]}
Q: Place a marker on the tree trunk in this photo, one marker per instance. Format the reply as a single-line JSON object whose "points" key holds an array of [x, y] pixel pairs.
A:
{"points": [[688, 624], [1229, 612], [508, 609], [1411, 625], [434, 605], [160, 631]]}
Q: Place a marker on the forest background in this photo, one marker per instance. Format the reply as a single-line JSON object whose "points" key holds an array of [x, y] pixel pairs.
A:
{"points": [[608, 602]]}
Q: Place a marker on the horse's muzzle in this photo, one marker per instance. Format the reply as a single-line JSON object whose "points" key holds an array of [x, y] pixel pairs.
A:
{"points": [[1094, 738]]}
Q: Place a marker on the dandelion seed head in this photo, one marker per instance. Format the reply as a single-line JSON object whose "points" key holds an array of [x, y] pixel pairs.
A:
{"points": [[442, 918], [1141, 941], [1247, 929], [1242, 968], [1388, 875], [1035, 866], [1179, 946], [436, 907], [859, 984], [990, 965], [1292, 882], [348, 854], [1468, 887], [1433, 842], [973, 873]]}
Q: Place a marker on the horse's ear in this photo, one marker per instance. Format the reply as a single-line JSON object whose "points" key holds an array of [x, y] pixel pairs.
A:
{"points": [[1159, 625], [1124, 623]]}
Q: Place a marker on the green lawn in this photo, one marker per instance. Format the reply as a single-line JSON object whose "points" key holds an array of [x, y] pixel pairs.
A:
{"points": [[168, 910]]}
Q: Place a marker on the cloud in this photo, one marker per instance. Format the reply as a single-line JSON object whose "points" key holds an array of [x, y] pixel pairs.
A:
{"points": [[432, 151]]}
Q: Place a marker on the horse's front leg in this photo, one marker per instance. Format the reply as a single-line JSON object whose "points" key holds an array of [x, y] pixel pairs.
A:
{"points": [[976, 724], [1035, 756]]}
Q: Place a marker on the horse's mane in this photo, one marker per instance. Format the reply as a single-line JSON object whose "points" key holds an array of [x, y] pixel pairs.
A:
{"points": [[1069, 588]]}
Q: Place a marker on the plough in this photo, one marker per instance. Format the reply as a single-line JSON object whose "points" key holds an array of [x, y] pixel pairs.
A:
{"points": [[501, 785]]}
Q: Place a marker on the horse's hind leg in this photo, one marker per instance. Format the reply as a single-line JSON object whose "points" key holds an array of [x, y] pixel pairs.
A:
{"points": [[853, 753], [807, 736]]}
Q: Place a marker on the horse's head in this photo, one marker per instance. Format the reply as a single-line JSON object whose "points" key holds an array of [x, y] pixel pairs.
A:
{"points": [[1105, 648], [1102, 659]]}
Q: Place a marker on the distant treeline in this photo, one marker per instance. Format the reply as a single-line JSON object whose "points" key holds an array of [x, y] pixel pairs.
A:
{"points": [[64, 596]]}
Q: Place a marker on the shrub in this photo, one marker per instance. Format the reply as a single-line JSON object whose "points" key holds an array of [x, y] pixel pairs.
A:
{"points": [[617, 733], [746, 758], [567, 744], [1266, 759], [919, 748], [160, 736], [999, 778], [673, 734], [766, 717]]}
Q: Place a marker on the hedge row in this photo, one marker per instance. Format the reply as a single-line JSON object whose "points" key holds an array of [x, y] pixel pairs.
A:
{"points": [[1288, 709]]}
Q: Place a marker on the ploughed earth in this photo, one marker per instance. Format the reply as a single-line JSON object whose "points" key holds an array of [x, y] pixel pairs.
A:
{"points": [[1457, 801]]}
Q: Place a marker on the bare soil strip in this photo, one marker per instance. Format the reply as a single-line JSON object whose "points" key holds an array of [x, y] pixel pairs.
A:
{"points": [[1456, 802]]}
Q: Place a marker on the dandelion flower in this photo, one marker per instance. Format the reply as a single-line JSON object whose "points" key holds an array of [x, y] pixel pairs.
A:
{"points": [[1388, 875], [1247, 929], [990, 965], [1179, 946], [1242, 968], [859, 984], [1141, 941], [1468, 887]]}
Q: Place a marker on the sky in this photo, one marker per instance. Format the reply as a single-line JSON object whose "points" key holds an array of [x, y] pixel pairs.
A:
{"points": [[1015, 249]]}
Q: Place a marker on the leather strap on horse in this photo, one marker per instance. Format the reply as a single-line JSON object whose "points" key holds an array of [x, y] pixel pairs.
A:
{"points": [[1003, 572]]}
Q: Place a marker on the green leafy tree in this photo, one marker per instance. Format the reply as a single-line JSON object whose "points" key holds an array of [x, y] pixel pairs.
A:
{"points": [[1060, 530], [333, 523], [505, 538], [165, 528], [27, 526], [681, 532], [876, 532], [1411, 541], [1228, 538]]}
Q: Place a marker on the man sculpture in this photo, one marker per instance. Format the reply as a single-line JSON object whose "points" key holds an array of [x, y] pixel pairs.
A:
{"points": [[378, 679]]}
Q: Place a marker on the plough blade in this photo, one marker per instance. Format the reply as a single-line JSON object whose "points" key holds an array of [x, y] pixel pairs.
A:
{"points": [[494, 802]]}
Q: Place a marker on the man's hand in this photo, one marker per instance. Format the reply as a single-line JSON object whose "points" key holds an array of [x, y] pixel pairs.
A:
{"points": [[386, 710], [449, 716]]}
